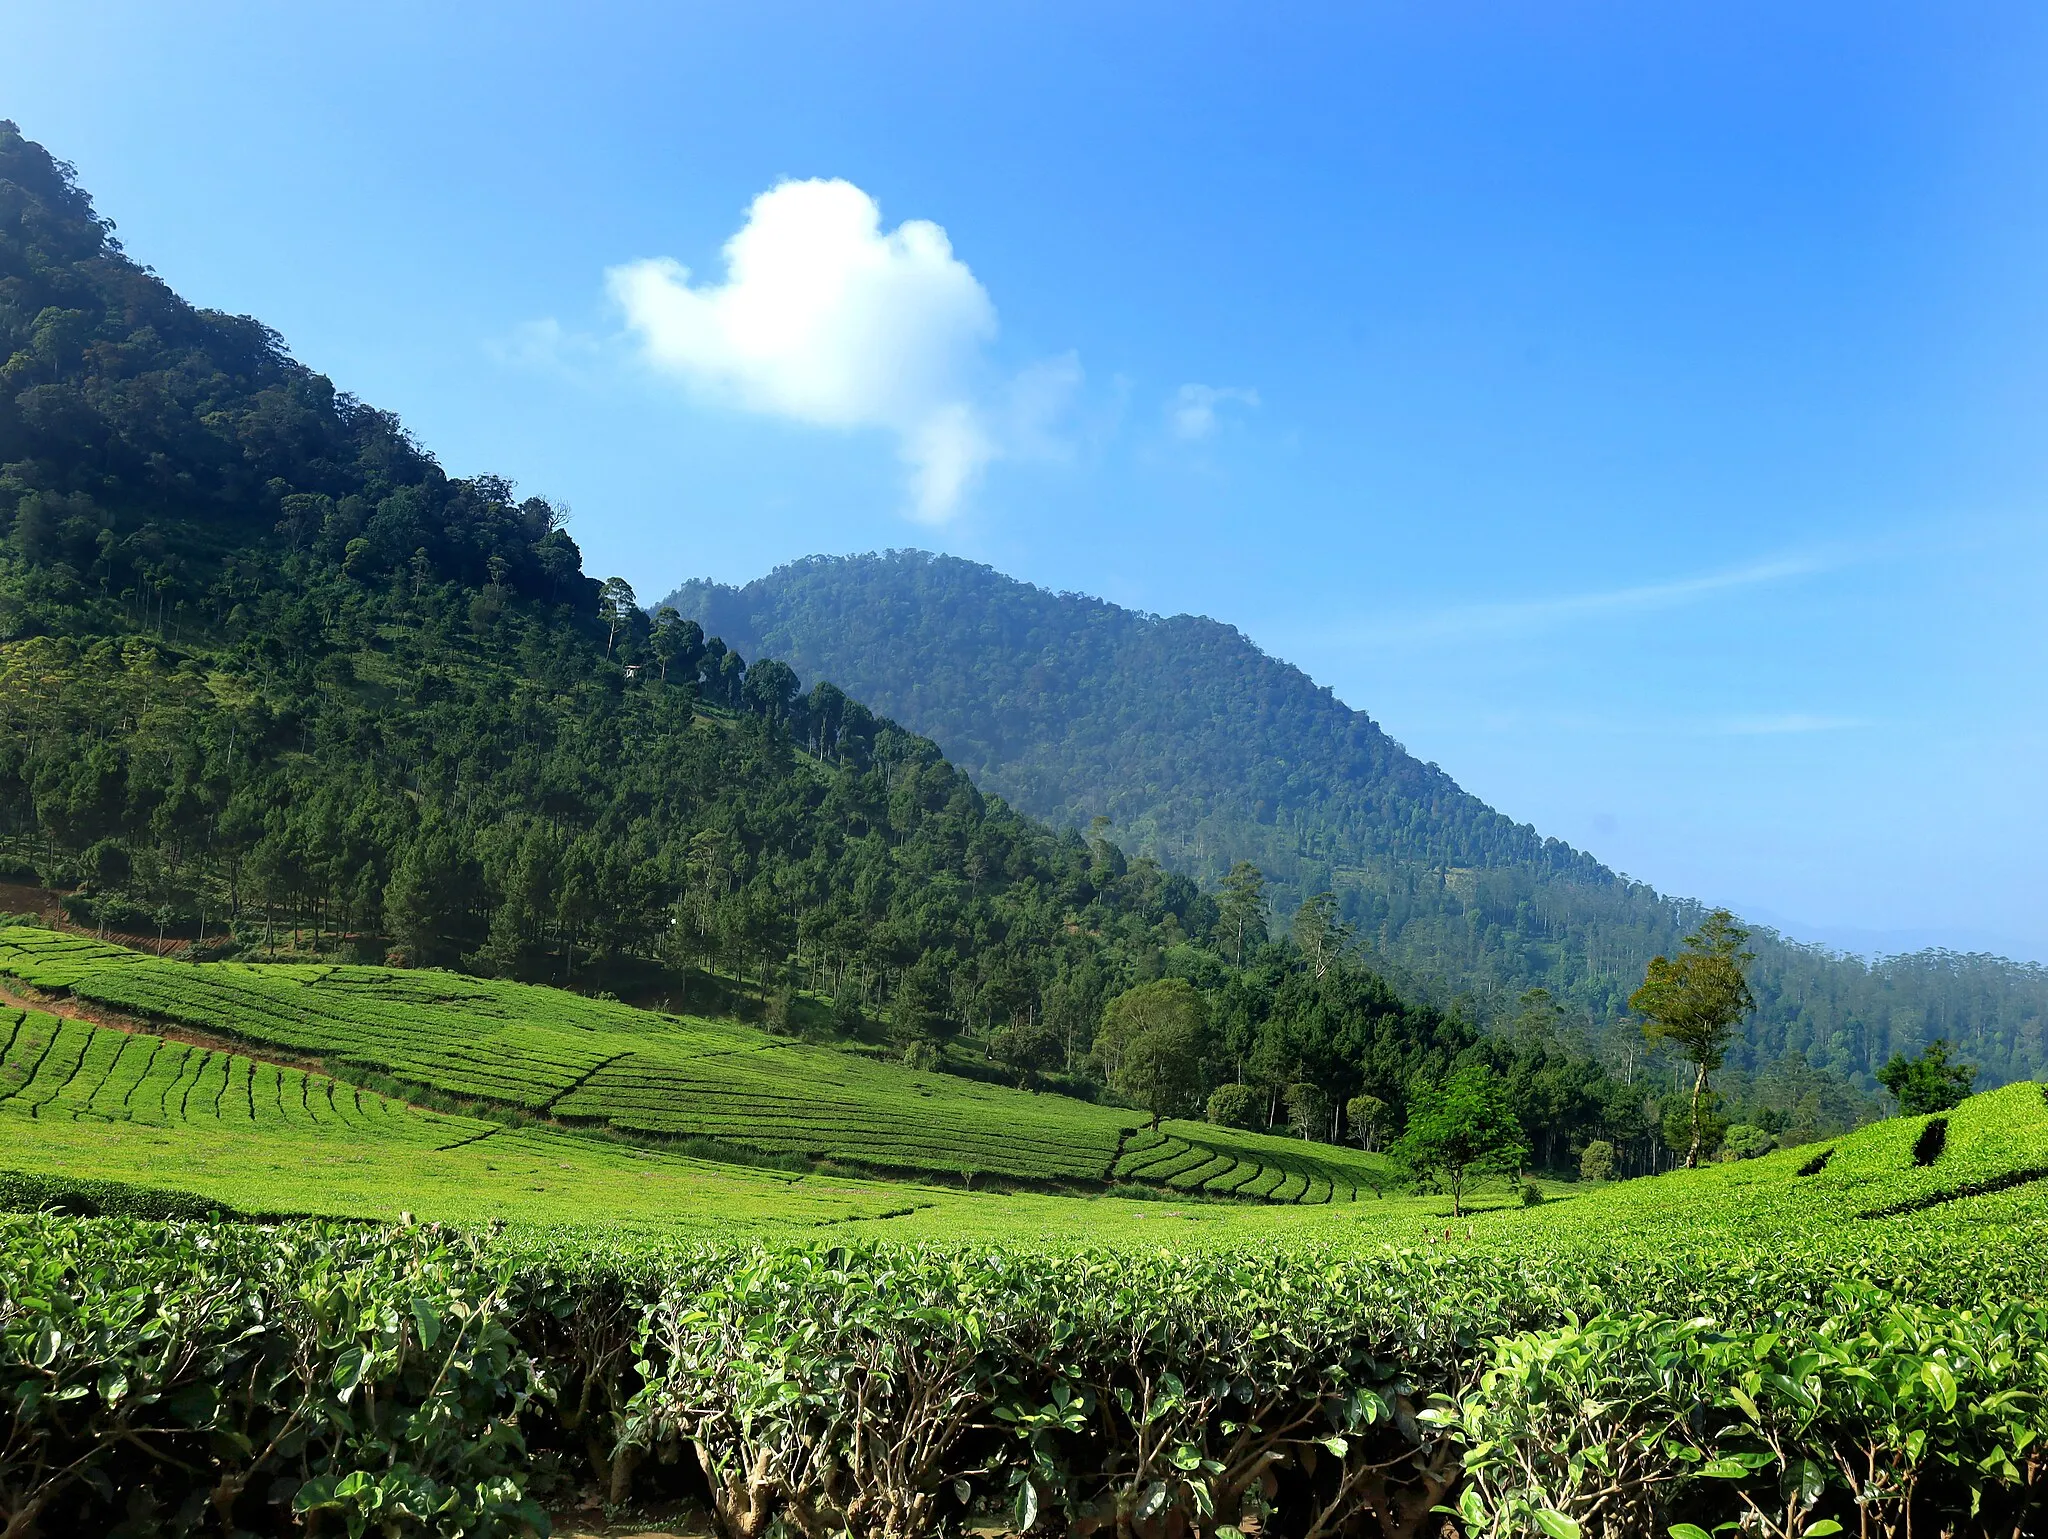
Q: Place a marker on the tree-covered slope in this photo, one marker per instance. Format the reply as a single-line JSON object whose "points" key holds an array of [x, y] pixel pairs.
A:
{"points": [[269, 674], [1203, 750], [276, 686]]}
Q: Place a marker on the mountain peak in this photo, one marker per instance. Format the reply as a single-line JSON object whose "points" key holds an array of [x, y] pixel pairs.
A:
{"points": [[1203, 750]]}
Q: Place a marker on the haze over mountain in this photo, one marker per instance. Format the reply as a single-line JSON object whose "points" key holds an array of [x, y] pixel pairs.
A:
{"points": [[1202, 750]]}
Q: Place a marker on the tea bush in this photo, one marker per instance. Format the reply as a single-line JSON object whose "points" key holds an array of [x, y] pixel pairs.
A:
{"points": [[185, 1378], [404, 1380]]}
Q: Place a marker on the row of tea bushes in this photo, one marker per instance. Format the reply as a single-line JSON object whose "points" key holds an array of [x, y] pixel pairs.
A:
{"points": [[225, 1378]]}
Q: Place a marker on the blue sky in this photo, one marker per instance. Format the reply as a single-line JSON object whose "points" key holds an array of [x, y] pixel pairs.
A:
{"points": [[1638, 409]]}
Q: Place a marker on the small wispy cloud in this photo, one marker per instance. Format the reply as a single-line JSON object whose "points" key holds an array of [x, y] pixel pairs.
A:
{"points": [[545, 344], [1191, 412], [1478, 622], [1785, 722]]}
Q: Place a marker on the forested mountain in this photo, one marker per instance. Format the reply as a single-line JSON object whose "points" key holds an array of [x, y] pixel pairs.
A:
{"points": [[275, 685], [1203, 751]]}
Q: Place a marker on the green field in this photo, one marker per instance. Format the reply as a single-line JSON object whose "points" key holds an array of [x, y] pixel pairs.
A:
{"points": [[86, 1102], [547, 1070], [1863, 1323], [578, 1102], [598, 1064]]}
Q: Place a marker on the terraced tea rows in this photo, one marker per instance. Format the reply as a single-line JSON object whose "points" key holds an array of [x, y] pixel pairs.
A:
{"points": [[663, 1077], [53, 1068], [1225, 1162], [95, 1104]]}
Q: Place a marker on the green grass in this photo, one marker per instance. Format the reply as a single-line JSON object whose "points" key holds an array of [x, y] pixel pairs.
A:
{"points": [[86, 1102], [657, 1077]]}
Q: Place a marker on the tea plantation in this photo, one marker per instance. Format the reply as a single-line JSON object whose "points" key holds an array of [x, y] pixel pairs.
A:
{"points": [[263, 1298], [517, 1048]]}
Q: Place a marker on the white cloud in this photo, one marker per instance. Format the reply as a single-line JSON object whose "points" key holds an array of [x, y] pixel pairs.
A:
{"points": [[825, 318], [1040, 399], [1192, 411]]}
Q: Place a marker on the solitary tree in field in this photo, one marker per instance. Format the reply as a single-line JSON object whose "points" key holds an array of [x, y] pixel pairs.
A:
{"points": [[1695, 1001], [1929, 1083], [1461, 1129], [1161, 1069], [1152, 1041]]}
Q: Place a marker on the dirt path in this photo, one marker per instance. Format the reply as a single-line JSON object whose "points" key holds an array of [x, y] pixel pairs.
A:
{"points": [[46, 904]]}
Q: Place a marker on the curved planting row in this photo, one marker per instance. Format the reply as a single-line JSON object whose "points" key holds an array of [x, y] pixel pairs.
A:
{"points": [[817, 1103], [595, 1061], [598, 1061], [51, 1067], [1222, 1162]]}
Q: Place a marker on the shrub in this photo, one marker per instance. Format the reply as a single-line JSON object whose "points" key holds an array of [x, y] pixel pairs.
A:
{"points": [[270, 1375], [1597, 1163], [404, 1379], [1744, 1142], [1532, 1195], [1234, 1106]]}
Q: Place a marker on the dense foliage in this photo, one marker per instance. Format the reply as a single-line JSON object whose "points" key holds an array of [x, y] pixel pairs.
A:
{"points": [[1205, 751]]}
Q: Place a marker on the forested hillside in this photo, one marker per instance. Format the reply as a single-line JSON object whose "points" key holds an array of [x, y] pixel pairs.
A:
{"points": [[276, 686], [1203, 751]]}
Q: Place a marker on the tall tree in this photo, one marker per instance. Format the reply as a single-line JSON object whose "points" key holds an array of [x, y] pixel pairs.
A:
{"points": [[1154, 1042], [1462, 1129], [1164, 1003], [1160, 1068], [1366, 1112], [1321, 932], [1241, 904], [678, 643], [616, 606], [1695, 1001]]}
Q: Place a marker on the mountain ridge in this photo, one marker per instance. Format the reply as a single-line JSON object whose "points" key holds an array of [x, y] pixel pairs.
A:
{"points": [[1203, 749]]}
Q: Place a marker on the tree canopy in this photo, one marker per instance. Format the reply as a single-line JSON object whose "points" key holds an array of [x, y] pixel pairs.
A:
{"points": [[1460, 1129], [1695, 1001], [1929, 1082]]}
